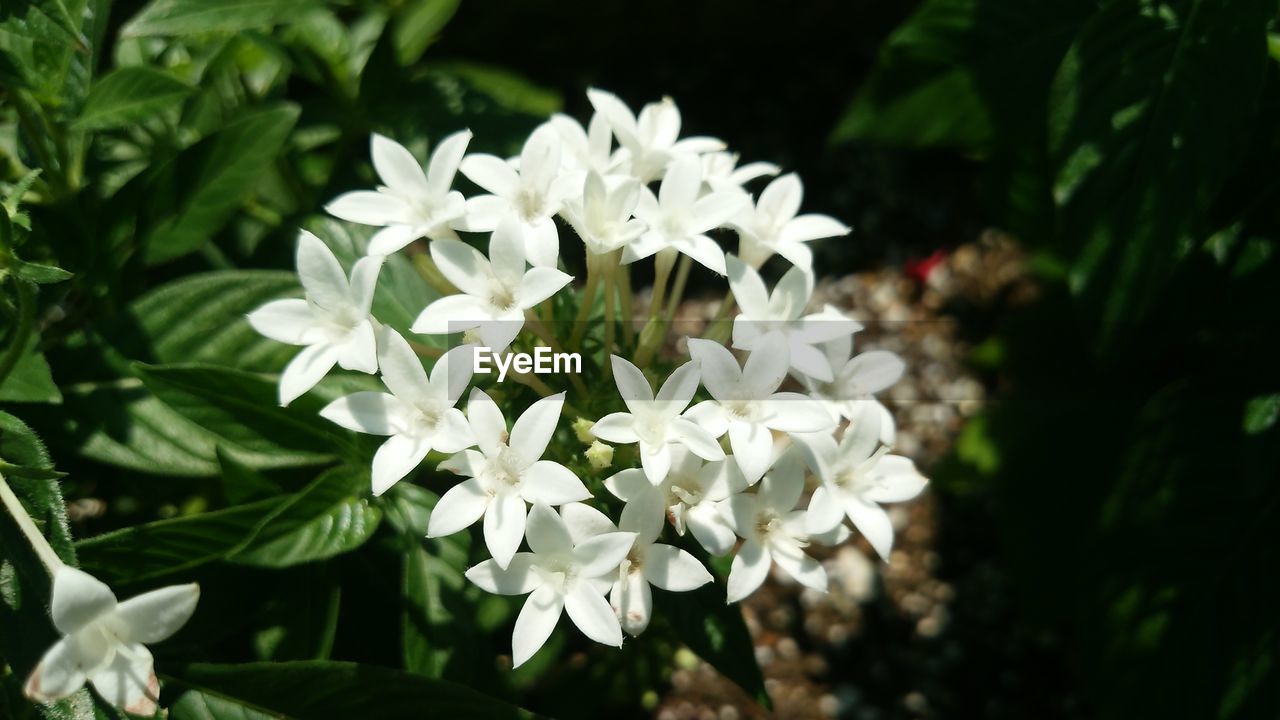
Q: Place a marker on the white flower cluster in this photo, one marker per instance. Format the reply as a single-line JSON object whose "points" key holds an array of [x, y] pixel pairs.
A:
{"points": [[598, 180]]}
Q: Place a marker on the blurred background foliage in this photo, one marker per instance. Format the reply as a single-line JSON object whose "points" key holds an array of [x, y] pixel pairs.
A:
{"points": [[1110, 522]]}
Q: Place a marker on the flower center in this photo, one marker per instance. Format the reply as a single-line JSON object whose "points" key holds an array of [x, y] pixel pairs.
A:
{"points": [[504, 472], [652, 429], [501, 297], [767, 523], [677, 494], [745, 410], [532, 205]]}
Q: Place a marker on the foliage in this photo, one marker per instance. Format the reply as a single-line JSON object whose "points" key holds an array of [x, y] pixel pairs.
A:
{"points": [[1132, 146]]}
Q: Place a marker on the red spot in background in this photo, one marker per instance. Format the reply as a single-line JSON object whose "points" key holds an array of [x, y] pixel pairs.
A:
{"points": [[921, 268]]}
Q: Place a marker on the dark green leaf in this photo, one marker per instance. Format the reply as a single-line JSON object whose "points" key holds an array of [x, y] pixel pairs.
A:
{"points": [[329, 517], [417, 26], [1261, 413], [39, 274], [241, 483], [30, 379], [129, 95], [187, 199], [21, 452], [508, 89], [717, 633], [185, 17], [341, 691]]}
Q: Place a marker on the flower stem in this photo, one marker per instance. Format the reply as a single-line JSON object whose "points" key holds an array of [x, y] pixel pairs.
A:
{"points": [[677, 287], [588, 299], [426, 268], [721, 320], [662, 264], [610, 291], [38, 542], [628, 318]]}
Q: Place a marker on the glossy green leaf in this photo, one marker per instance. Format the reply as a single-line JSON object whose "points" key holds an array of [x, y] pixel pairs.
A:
{"points": [[22, 454], [186, 17], [340, 691], [188, 199], [130, 95], [418, 24], [30, 379]]}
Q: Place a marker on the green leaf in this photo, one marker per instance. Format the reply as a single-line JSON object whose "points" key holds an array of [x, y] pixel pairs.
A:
{"points": [[329, 517], [1143, 132], [241, 409], [241, 483], [417, 26], [39, 274], [188, 199], [324, 690], [717, 633], [507, 89], [30, 379], [201, 319], [1261, 413], [130, 95], [21, 452], [186, 17], [301, 621]]}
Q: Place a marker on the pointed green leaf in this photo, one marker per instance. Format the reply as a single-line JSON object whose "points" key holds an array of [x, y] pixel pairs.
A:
{"points": [[129, 95]]}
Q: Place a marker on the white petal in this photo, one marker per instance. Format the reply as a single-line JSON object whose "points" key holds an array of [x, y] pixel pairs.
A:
{"points": [[710, 528], [487, 423], [463, 265], [748, 289], [720, 370], [364, 281], [894, 479], [453, 434], [791, 295], [656, 461], [709, 415], [678, 389], [781, 488], [392, 238], [632, 384], [467, 463], [699, 441], [796, 413], [397, 167], [632, 602], [797, 254], [819, 451], [593, 616], [617, 113], [752, 445], [359, 351], [750, 568], [810, 361], [129, 682], [504, 527], [58, 674], [402, 372], [719, 480], [644, 516], [873, 522], [766, 367], [804, 569], [284, 321], [397, 457], [78, 599], [460, 507], [874, 371], [601, 554], [452, 314], [534, 624], [507, 252], [862, 436], [547, 533], [155, 616], [539, 284], [781, 199], [628, 484], [825, 512], [321, 275], [715, 210], [813, 227], [517, 578], [533, 429], [584, 521], [616, 428], [540, 158], [367, 207], [704, 250], [492, 173], [740, 512], [551, 483], [445, 161], [305, 370], [484, 213], [451, 373], [680, 186], [673, 569]]}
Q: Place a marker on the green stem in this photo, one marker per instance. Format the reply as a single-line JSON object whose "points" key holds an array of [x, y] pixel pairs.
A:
{"points": [[610, 290], [677, 288], [662, 264], [628, 316], [427, 269], [721, 320], [26, 308], [38, 542], [588, 299]]}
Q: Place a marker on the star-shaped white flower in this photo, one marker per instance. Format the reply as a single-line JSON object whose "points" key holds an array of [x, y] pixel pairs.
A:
{"points": [[651, 140], [782, 311], [504, 474], [410, 203], [602, 218], [857, 379], [720, 171], [104, 641], [773, 530], [648, 563], [418, 415], [773, 226], [558, 575], [495, 290], [588, 149], [531, 195], [333, 322], [679, 217], [692, 493], [655, 422], [858, 473], [746, 402]]}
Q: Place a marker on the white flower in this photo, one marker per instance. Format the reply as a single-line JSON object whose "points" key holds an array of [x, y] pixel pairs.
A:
{"points": [[532, 195], [678, 218], [418, 414], [746, 403], [506, 473], [651, 140], [773, 227], [720, 171], [333, 322], [648, 562], [410, 203], [103, 640], [856, 474], [781, 311], [692, 493], [774, 531], [655, 422], [495, 290], [602, 218], [559, 575], [857, 378], [590, 149]]}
